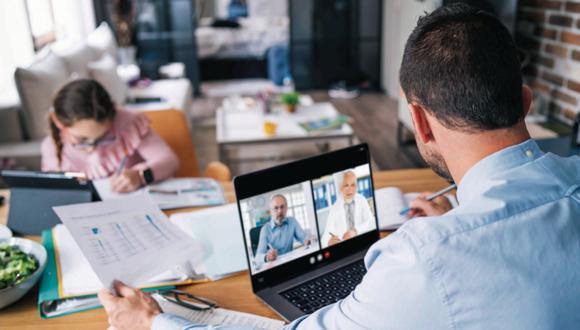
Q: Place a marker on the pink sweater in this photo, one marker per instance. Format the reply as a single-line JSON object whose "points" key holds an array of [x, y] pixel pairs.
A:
{"points": [[133, 136]]}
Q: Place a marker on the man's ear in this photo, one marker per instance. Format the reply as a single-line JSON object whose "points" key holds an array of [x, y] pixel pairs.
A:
{"points": [[527, 98], [422, 126]]}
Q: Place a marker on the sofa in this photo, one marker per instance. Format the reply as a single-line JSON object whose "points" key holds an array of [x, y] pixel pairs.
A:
{"points": [[95, 58]]}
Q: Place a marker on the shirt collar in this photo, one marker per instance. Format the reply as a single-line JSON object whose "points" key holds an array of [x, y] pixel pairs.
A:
{"points": [[281, 223], [498, 162]]}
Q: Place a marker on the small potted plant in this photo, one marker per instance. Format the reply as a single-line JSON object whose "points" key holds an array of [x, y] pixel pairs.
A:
{"points": [[290, 100]]}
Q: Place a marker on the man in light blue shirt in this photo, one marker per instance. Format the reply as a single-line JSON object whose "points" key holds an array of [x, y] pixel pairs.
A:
{"points": [[278, 234], [508, 257]]}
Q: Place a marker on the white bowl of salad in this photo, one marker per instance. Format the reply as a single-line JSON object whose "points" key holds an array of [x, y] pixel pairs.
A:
{"points": [[21, 264]]}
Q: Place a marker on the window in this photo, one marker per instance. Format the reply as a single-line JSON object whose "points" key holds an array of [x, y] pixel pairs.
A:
{"points": [[297, 208], [28, 25], [41, 21]]}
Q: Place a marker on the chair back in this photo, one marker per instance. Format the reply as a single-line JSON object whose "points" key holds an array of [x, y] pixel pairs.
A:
{"points": [[171, 126], [255, 238]]}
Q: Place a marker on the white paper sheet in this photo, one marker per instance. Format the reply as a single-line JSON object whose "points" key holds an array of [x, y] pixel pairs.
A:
{"points": [[127, 239], [220, 316], [218, 230], [189, 192]]}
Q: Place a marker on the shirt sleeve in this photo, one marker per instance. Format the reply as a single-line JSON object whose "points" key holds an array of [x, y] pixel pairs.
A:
{"points": [[329, 227], [158, 157], [396, 293], [369, 219], [299, 233]]}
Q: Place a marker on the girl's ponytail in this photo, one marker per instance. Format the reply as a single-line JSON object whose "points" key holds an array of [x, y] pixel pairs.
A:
{"points": [[55, 134]]}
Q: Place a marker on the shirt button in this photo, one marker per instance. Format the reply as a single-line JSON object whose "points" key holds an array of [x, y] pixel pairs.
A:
{"points": [[529, 153]]}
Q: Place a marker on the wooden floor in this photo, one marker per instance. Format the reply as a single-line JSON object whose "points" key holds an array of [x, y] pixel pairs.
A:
{"points": [[374, 120]]}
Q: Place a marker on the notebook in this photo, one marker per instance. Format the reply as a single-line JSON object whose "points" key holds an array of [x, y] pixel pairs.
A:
{"points": [[390, 202]]}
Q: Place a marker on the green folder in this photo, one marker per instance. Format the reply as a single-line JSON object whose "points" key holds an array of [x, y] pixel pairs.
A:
{"points": [[48, 291]]}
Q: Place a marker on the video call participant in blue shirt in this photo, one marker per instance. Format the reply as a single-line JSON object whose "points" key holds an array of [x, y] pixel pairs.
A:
{"points": [[508, 257], [278, 234]]}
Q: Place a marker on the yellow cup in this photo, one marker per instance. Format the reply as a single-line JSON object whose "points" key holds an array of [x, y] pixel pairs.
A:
{"points": [[270, 128]]}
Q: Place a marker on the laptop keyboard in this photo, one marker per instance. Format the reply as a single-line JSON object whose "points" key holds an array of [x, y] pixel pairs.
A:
{"points": [[326, 289]]}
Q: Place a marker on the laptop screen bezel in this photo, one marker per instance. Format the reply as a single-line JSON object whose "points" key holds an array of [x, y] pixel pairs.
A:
{"points": [[309, 169]]}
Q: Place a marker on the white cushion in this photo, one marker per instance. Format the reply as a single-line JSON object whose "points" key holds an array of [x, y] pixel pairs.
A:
{"points": [[37, 86], [77, 59], [105, 72], [103, 40]]}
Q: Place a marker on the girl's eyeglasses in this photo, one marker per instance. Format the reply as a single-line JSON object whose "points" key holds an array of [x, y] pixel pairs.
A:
{"points": [[107, 139]]}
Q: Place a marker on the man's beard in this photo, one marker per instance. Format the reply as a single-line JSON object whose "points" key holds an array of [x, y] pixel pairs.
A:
{"points": [[435, 161]]}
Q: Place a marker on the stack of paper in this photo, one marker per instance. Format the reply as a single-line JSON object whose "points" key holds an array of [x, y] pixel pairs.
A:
{"points": [[218, 230], [69, 284], [172, 193], [129, 240]]}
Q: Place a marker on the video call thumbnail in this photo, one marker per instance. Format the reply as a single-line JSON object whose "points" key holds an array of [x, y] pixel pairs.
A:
{"points": [[344, 205], [295, 221]]}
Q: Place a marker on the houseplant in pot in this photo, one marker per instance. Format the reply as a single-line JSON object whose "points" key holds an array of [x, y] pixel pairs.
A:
{"points": [[290, 100]]}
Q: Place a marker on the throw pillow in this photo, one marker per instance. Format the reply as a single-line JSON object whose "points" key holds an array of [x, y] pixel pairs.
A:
{"points": [[105, 72], [103, 40], [37, 85]]}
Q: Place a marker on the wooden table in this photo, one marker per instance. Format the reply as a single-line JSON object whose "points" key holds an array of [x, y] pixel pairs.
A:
{"points": [[232, 293]]}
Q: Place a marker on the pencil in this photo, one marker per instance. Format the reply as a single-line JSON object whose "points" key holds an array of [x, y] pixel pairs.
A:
{"points": [[431, 197]]}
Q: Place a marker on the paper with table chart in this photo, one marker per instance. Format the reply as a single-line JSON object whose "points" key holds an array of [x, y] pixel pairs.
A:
{"points": [[171, 193], [127, 239], [77, 276], [219, 316]]}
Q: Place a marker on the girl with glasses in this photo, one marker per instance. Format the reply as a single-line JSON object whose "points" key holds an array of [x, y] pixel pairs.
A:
{"points": [[90, 135]]}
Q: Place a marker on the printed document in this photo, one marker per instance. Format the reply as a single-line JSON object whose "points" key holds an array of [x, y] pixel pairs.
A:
{"points": [[127, 239], [219, 316]]}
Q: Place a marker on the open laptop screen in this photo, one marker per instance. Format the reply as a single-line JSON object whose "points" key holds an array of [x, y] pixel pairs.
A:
{"points": [[301, 213]]}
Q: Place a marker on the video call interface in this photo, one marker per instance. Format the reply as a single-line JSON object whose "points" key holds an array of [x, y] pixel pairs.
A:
{"points": [[288, 223]]}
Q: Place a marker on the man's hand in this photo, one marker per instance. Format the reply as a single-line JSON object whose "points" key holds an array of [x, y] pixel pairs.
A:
{"points": [[333, 240], [271, 255], [421, 207], [132, 309], [349, 234], [125, 182]]}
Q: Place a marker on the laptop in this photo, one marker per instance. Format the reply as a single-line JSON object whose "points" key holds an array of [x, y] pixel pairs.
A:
{"points": [[304, 245]]}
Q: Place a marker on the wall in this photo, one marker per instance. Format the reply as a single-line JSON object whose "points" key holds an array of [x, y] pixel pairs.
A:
{"points": [[550, 32], [399, 19]]}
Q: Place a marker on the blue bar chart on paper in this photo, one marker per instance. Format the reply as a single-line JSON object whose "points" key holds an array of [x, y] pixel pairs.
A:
{"points": [[128, 239], [116, 241]]}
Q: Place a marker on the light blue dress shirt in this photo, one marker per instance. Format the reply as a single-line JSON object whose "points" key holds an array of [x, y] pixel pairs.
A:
{"points": [[279, 237], [508, 257]]}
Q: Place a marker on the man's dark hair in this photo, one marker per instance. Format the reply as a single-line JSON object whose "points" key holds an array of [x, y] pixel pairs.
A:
{"points": [[461, 64]]}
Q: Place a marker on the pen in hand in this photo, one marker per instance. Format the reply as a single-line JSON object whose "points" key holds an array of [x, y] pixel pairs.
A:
{"points": [[431, 197], [121, 166]]}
